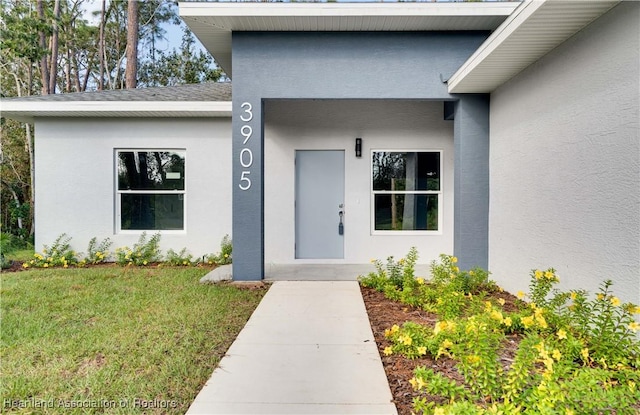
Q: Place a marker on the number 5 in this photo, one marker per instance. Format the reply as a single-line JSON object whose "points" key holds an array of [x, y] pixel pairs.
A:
{"points": [[245, 180]]}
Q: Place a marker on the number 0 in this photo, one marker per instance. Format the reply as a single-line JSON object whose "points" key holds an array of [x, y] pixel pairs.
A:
{"points": [[246, 161]]}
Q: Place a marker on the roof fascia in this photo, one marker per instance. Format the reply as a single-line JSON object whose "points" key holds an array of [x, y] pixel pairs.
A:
{"points": [[497, 38], [27, 111], [292, 10], [505, 38]]}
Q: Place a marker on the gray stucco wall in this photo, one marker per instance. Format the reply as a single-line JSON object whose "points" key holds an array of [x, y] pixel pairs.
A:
{"points": [[334, 66], [565, 162], [471, 208]]}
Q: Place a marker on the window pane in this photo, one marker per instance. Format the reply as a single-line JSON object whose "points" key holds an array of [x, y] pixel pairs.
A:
{"points": [[406, 170], [150, 170], [406, 212], [151, 212]]}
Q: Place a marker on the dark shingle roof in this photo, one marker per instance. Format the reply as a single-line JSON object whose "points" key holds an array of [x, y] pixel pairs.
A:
{"points": [[208, 91]]}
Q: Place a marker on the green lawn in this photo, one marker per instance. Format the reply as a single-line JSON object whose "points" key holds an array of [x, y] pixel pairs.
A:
{"points": [[114, 337]]}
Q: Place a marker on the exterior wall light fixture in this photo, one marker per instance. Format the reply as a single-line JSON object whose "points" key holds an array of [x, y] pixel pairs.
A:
{"points": [[358, 147]]}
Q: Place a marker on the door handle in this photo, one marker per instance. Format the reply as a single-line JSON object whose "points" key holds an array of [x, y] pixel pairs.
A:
{"points": [[340, 224]]}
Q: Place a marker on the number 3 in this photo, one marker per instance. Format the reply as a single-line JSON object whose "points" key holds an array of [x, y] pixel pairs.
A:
{"points": [[247, 109]]}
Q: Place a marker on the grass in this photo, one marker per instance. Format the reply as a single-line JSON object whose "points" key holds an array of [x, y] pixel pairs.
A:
{"points": [[21, 255], [114, 335]]}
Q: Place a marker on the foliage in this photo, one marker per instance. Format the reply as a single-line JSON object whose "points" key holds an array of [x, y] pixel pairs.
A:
{"points": [[60, 254], [225, 255], [186, 65], [10, 243], [4, 261], [395, 274], [15, 184], [144, 252], [576, 355], [182, 258], [97, 253], [448, 293]]}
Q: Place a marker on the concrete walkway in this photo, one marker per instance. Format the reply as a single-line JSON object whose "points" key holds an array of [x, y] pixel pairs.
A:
{"points": [[307, 349]]}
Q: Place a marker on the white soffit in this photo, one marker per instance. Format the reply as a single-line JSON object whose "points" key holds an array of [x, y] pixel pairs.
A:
{"points": [[213, 23], [533, 30], [27, 111]]}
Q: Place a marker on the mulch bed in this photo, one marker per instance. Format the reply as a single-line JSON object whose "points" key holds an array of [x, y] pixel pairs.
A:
{"points": [[384, 313]]}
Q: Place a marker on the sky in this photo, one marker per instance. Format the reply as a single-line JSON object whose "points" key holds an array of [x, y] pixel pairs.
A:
{"points": [[173, 32]]}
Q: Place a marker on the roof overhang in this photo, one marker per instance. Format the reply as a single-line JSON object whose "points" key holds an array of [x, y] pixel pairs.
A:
{"points": [[213, 23], [534, 29], [26, 111]]}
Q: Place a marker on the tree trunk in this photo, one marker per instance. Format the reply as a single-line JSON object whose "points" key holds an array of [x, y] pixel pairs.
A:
{"points": [[131, 70], [42, 39], [67, 71], [101, 46], [53, 62]]}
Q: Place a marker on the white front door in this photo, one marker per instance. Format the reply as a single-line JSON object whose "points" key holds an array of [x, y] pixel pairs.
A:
{"points": [[319, 204]]}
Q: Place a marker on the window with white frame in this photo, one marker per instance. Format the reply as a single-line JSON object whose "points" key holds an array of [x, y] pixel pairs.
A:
{"points": [[406, 191], [150, 189]]}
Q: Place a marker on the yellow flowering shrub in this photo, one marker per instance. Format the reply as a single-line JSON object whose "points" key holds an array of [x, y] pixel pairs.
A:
{"points": [[60, 254], [225, 255], [98, 252], [179, 259], [576, 355], [143, 252]]}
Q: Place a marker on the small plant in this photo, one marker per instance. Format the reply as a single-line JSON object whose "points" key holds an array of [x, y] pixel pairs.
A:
{"points": [[10, 243], [447, 273], [97, 253], [394, 273], [411, 340], [59, 254], [224, 257], [608, 327], [143, 253], [182, 258], [4, 262]]}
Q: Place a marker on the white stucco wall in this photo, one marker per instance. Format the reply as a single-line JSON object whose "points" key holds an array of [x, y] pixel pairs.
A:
{"points": [[75, 179], [334, 125], [565, 162]]}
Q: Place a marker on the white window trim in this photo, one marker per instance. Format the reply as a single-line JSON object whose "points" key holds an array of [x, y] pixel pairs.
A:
{"points": [[439, 193], [117, 208]]}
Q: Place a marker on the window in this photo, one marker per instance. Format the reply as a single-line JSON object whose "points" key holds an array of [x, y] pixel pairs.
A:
{"points": [[150, 189], [406, 191]]}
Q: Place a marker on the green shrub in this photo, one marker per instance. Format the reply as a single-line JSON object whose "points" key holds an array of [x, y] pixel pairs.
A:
{"points": [[182, 258], [59, 254], [580, 358], [394, 273], [5, 262], [10, 243], [144, 252], [225, 256], [97, 253], [578, 354]]}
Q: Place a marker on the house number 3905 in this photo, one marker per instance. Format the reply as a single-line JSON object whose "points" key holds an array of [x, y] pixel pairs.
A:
{"points": [[246, 155]]}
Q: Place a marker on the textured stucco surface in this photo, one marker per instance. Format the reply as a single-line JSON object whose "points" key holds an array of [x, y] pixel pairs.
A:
{"points": [[348, 65], [565, 162], [75, 178], [334, 125]]}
